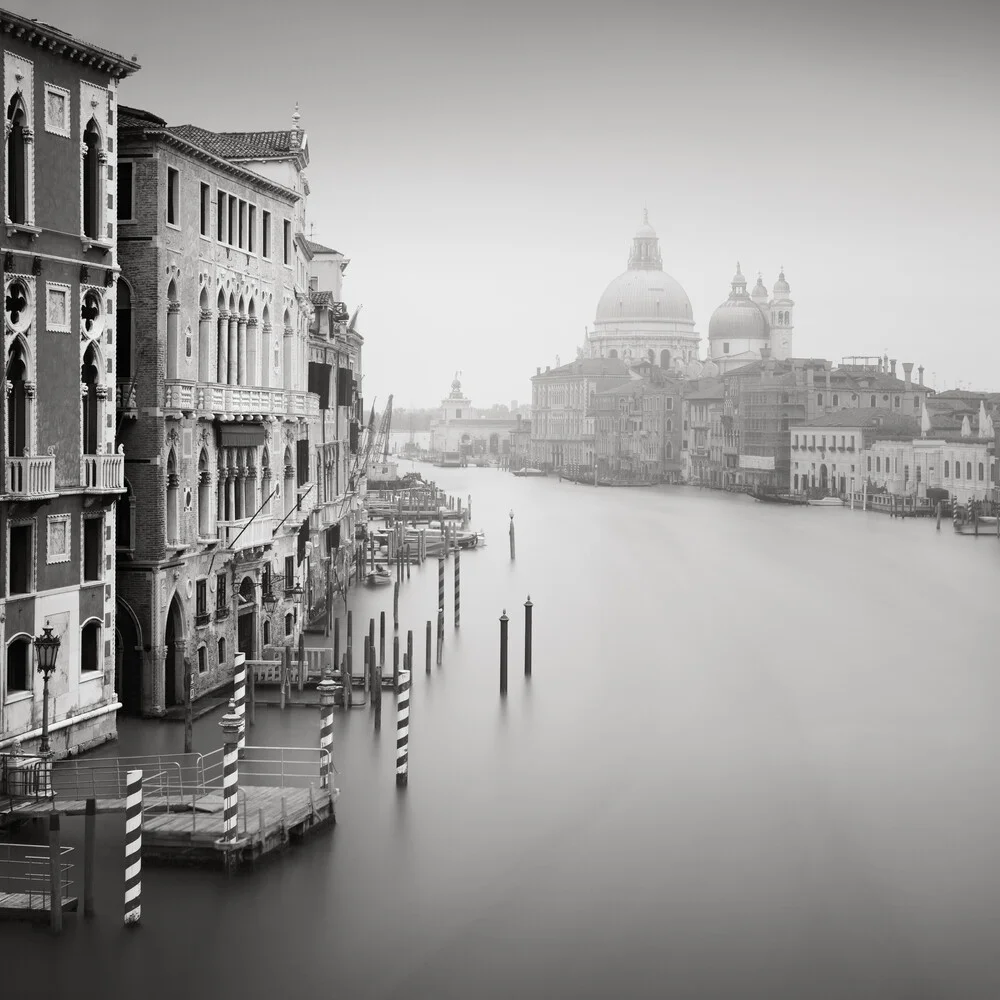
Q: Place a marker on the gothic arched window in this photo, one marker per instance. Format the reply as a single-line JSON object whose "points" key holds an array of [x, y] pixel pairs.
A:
{"points": [[92, 212], [17, 161]]}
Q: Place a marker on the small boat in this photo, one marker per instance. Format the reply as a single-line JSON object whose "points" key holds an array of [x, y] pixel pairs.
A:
{"points": [[826, 502], [530, 472], [786, 498], [379, 577]]}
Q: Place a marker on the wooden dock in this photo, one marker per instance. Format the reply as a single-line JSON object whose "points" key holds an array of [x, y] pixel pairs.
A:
{"points": [[31, 906]]}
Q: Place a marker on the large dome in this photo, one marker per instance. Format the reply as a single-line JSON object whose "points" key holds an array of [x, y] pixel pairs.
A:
{"points": [[739, 317], [644, 294]]}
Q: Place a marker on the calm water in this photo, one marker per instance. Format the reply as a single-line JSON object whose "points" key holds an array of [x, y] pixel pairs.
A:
{"points": [[758, 758]]}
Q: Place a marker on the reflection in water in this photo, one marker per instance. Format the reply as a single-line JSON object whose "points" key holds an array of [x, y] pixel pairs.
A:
{"points": [[758, 757]]}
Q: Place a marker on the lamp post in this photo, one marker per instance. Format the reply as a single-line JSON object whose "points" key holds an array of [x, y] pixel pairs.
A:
{"points": [[47, 650]]}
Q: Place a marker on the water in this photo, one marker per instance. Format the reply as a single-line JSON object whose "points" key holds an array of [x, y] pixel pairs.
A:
{"points": [[758, 758]]}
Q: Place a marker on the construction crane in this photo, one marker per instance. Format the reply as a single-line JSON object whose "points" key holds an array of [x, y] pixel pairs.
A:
{"points": [[375, 441]]}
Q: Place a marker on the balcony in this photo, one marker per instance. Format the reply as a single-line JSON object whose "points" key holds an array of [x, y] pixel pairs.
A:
{"points": [[258, 532], [31, 476], [239, 400], [103, 473]]}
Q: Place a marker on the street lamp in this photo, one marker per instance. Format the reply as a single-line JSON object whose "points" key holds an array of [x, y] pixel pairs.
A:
{"points": [[296, 592], [270, 601], [47, 650]]}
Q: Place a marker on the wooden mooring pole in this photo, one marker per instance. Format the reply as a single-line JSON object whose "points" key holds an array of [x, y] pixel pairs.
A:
{"points": [[395, 606], [527, 636], [427, 669], [395, 662], [381, 639], [89, 847], [55, 873], [512, 536], [503, 652], [409, 651]]}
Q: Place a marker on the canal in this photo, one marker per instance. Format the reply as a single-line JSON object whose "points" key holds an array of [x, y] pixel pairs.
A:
{"points": [[758, 758]]}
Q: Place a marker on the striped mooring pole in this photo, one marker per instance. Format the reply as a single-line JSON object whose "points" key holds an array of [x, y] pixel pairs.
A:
{"points": [[403, 729], [458, 585], [325, 688], [231, 725], [133, 847], [240, 698], [441, 576]]}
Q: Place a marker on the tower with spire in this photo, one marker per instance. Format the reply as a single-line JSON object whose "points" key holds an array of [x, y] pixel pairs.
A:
{"points": [[782, 319]]}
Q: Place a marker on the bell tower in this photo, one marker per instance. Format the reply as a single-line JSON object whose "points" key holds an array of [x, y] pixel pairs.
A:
{"points": [[645, 255], [782, 319]]}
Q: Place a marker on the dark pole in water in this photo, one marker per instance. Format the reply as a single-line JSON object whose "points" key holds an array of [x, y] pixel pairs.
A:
{"points": [[512, 536], [527, 636], [381, 639], [939, 518], [440, 635], [336, 643], [428, 667], [409, 650], [503, 652], [395, 606], [395, 662]]}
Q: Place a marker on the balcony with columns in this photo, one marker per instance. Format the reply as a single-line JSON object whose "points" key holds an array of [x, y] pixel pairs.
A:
{"points": [[249, 402], [31, 477], [246, 532], [103, 473]]}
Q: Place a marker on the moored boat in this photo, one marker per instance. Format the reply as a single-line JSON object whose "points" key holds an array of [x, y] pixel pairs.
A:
{"points": [[826, 502], [530, 472], [785, 498]]}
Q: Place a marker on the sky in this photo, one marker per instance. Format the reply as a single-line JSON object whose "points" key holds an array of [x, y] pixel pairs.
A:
{"points": [[484, 166]]}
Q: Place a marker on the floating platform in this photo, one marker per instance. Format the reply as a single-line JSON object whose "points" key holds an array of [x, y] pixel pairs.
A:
{"points": [[31, 906]]}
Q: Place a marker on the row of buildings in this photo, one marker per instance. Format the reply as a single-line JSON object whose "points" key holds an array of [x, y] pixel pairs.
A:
{"points": [[637, 403], [184, 410]]}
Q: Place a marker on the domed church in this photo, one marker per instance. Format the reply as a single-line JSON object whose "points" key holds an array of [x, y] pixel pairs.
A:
{"points": [[748, 323], [644, 314]]}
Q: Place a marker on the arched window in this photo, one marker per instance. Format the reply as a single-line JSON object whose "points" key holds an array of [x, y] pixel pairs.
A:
{"points": [[252, 377], [17, 400], [795, 482], [222, 652], [982, 472], [125, 519], [222, 341], [870, 464], [202, 659], [204, 496], [173, 319], [874, 402], [895, 401], [784, 423], [17, 161], [19, 664], [90, 647], [92, 201], [669, 450], [664, 359], [267, 632], [819, 399], [784, 397], [946, 470], [289, 487], [289, 623], [204, 338], [670, 425], [172, 490], [836, 400], [90, 377], [968, 470], [123, 332], [265, 483], [612, 353]]}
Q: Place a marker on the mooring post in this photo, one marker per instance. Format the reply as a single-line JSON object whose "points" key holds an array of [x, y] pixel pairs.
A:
{"points": [[329, 603], [440, 603], [403, 730], [371, 637], [939, 519], [395, 605], [133, 836], [252, 692], [406, 549], [377, 694], [336, 643], [527, 636], [395, 662], [55, 873], [503, 652], [188, 706], [326, 688], [350, 630], [240, 695], [367, 670], [427, 668], [89, 844], [349, 675], [458, 586], [302, 659], [286, 668], [408, 665], [231, 725], [512, 535], [440, 635]]}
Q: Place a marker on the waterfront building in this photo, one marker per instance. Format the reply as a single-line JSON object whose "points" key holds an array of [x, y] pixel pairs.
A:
{"points": [[61, 470], [747, 323], [213, 332], [638, 427], [520, 443], [562, 410], [471, 432], [703, 435], [644, 314]]}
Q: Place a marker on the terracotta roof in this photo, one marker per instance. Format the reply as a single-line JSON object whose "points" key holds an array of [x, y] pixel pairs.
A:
{"points": [[865, 416], [321, 298], [137, 118], [240, 145], [315, 248]]}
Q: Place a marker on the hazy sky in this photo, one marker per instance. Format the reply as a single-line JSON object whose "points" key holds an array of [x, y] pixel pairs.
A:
{"points": [[485, 165]]}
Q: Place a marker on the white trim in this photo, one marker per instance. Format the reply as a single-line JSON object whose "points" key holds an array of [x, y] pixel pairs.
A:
{"points": [[50, 324], [58, 557], [65, 129], [17, 696], [54, 727]]}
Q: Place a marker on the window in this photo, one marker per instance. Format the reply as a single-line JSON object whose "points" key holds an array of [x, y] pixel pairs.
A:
{"points": [[670, 402], [58, 306], [870, 464], [946, 470], [92, 178], [906, 474], [267, 632], [19, 665], [125, 198], [18, 151], [819, 399], [251, 228], [201, 599], [874, 401], [206, 209], [265, 234], [916, 403], [233, 213], [202, 659], [57, 538], [852, 442], [220, 592], [20, 558], [57, 120], [90, 648], [725, 348], [242, 224], [878, 464], [289, 623], [968, 470], [982, 471], [222, 652], [93, 548], [289, 572], [220, 234], [286, 244], [173, 196]]}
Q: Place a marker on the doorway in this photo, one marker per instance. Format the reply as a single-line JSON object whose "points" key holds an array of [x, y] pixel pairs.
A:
{"points": [[173, 678], [128, 661], [246, 632]]}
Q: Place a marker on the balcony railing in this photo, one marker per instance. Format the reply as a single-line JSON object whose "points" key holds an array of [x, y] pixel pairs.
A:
{"points": [[31, 475], [103, 473], [239, 400], [258, 532]]}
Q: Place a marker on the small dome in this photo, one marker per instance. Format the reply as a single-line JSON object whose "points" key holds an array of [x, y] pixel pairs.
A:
{"points": [[739, 317], [781, 286], [693, 369], [759, 290]]}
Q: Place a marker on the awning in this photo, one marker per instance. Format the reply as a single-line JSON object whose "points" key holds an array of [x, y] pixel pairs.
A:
{"points": [[242, 435]]}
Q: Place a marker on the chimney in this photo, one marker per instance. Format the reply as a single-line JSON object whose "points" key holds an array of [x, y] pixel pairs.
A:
{"points": [[538, 370], [920, 374], [548, 368], [908, 374], [892, 371]]}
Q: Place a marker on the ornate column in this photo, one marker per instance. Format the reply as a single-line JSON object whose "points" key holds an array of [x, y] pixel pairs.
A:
{"points": [[220, 498], [156, 699], [205, 345], [239, 511], [266, 359], [252, 376], [230, 499], [223, 348], [234, 349], [241, 351], [250, 491]]}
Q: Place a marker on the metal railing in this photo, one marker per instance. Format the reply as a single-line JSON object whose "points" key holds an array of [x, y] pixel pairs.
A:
{"points": [[26, 870]]}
